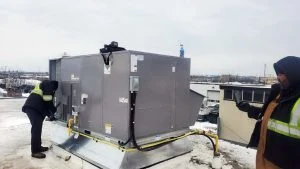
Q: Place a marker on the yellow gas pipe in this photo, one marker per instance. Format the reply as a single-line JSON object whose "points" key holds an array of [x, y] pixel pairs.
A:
{"points": [[192, 132]]}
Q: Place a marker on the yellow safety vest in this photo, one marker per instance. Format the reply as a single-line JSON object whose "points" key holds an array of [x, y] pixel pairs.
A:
{"points": [[39, 91], [291, 129]]}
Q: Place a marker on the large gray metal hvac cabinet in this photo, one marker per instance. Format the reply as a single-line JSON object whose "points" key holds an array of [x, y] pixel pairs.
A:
{"points": [[101, 93]]}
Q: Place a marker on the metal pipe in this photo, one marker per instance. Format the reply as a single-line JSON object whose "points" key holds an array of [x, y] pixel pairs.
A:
{"points": [[149, 145]]}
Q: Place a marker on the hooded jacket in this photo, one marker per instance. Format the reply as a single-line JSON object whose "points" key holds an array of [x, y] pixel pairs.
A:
{"points": [[36, 100], [282, 149]]}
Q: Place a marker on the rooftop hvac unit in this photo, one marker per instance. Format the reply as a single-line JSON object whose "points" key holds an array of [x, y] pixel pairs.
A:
{"points": [[123, 98]]}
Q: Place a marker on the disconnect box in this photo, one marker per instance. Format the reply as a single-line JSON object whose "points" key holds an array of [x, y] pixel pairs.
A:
{"points": [[124, 97]]}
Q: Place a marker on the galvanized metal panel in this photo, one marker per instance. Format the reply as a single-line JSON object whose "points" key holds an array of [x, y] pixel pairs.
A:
{"points": [[91, 113], [116, 97], [135, 160], [52, 69], [106, 156], [55, 74], [66, 101], [70, 68], [182, 94], [196, 100], [76, 93], [155, 98]]}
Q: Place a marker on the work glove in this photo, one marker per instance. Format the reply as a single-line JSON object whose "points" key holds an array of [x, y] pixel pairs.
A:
{"points": [[243, 106], [52, 118]]}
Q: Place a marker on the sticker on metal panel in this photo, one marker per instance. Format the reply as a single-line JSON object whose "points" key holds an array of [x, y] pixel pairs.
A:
{"points": [[107, 127], [107, 70], [133, 61], [84, 98], [173, 69], [74, 78], [123, 100]]}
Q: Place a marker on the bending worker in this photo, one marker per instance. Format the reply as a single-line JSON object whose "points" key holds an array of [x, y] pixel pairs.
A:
{"points": [[38, 105], [278, 137]]}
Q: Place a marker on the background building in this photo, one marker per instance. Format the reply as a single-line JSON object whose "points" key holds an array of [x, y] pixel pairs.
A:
{"points": [[234, 125]]}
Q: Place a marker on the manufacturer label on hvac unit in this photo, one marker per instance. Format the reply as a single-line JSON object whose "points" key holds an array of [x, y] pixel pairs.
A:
{"points": [[134, 60], [173, 69], [107, 127], [74, 78], [123, 100]]}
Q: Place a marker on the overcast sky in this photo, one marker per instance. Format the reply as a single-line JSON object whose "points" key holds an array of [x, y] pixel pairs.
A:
{"points": [[220, 37]]}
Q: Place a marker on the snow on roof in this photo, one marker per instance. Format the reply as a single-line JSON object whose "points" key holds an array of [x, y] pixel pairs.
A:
{"points": [[202, 88], [32, 82], [2, 91], [244, 86]]}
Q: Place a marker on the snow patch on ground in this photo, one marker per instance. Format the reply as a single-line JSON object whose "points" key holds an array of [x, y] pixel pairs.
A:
{"points": [[206, 126], [238, 154], [15, 146], [13, 121]]}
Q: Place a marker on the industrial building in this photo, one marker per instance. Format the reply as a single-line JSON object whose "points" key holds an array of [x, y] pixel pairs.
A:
{"points": [[234, 125]]}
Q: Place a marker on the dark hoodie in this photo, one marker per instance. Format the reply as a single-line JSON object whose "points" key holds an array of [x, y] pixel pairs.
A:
{"points": [[284, 151], [290, 66], [36, 102]]}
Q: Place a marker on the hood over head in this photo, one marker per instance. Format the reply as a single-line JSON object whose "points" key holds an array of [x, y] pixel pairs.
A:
{"points": [[49, 87], [290, 66]]}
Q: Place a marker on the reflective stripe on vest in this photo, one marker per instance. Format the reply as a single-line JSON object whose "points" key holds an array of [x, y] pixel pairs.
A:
{"points": [[291, 129], [38, 91], [47, 97]]}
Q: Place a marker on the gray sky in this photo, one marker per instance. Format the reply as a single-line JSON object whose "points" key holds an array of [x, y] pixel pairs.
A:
{"points": [[225, 36]]}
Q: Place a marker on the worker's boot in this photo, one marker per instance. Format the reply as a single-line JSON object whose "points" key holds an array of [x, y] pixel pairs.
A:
{"points": [[43, 149], [38, 155]]}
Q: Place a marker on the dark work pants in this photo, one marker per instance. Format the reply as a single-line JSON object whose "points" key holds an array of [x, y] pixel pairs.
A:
{"points": [[36, 121]]}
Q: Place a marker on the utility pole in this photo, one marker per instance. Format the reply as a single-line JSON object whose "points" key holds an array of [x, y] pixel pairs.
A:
{"points": [[265, 67]]}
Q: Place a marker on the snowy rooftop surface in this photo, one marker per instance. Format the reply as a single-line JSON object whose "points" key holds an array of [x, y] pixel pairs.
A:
{"points": [[15, 146]]}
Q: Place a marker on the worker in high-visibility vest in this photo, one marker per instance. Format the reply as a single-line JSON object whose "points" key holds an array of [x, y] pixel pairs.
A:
{"points": [[279, 131], [38, 105]]}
